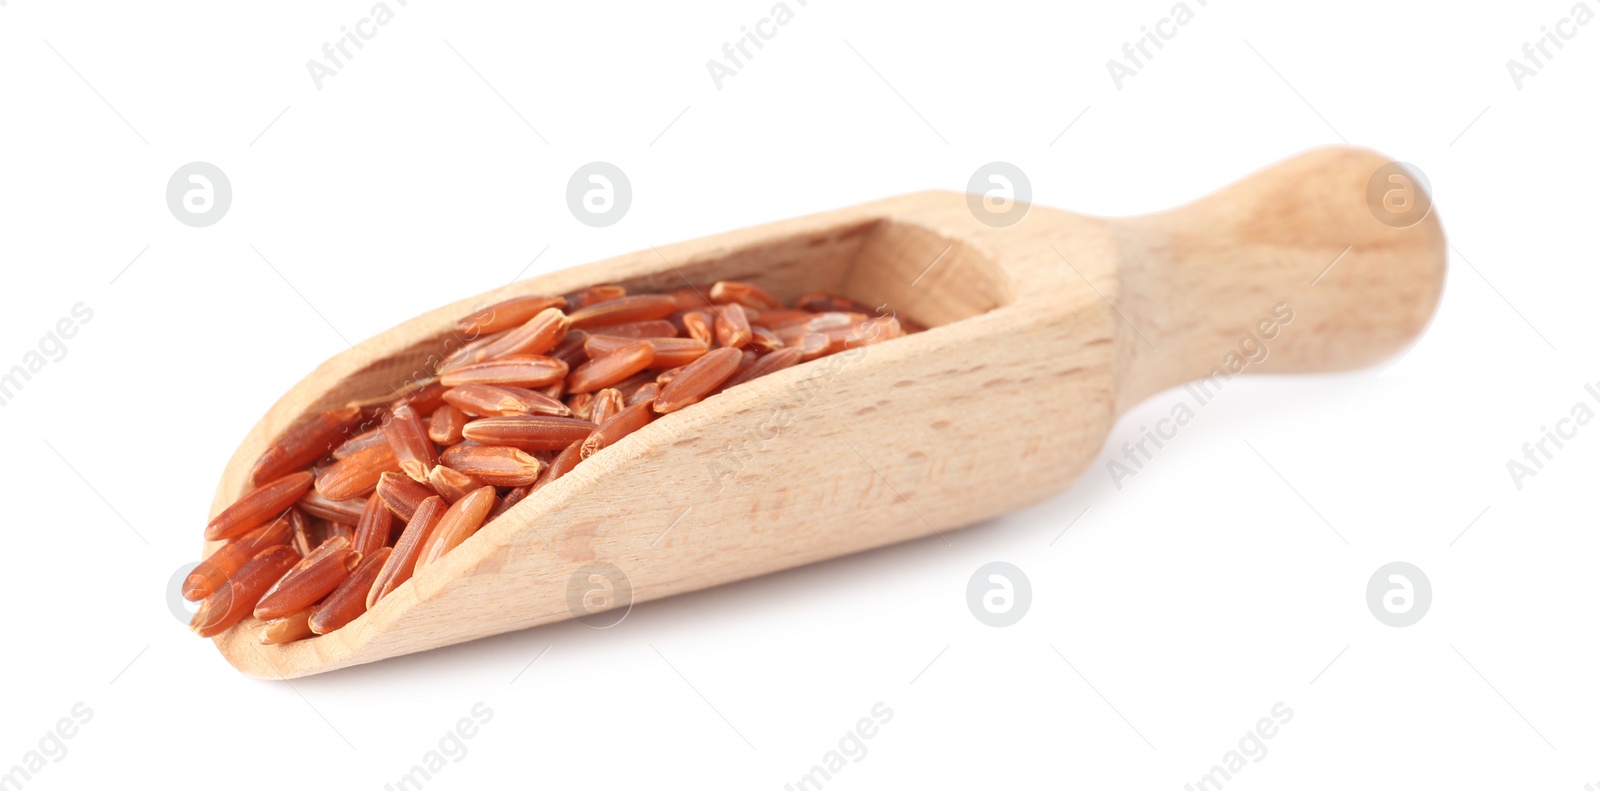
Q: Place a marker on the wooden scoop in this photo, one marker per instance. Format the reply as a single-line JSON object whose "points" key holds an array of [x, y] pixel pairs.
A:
{"points": [[1042, 333]]}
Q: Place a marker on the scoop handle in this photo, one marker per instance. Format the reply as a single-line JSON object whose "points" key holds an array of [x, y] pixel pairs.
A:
{"points": [[1331, 260]]}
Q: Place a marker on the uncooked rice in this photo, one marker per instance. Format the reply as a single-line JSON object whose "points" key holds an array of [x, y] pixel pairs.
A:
{"points": [[348, 504]]}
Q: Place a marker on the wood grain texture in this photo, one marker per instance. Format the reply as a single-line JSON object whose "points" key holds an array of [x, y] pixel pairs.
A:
{"points": [[1065, 318]]}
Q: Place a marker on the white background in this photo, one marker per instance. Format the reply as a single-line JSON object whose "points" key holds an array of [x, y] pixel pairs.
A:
{"points": [[1173, 613]]}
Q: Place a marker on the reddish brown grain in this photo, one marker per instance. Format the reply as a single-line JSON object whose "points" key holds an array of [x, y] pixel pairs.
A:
{"points": [[507, 502], [528, 432], [347, 511], [655, 328], [610, 368], [607, 402], [305, 443], [291, 627], [400, 563], [458, 524], [812, 345], [401, 495], [768, 363], [360, 442], [357, 474], [468, 353], [300, 536], [764, 340], [746, 360], [340, 529], [506, 315], [257, 507], [496, 466], [581, 404], [212, 572], [666, 376], [372, 532], [689, 298], [823, 302], [451, 484], [647, 392], [749, 295], [731, 325], [629, 386], [349, 600], [444, 427], [593, 294], [413, 450], [520, 370], [563, 464], [424, 399], [620, 425], [503, 400], [772, 319], [234, 601], [570, 349], [698, 325], [669, 352], [315, 576], [875, 331], [623, 310], [539, 335], [698, 379]]}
